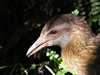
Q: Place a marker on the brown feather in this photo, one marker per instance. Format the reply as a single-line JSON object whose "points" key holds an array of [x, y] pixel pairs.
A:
{"points": [[80, 46]]}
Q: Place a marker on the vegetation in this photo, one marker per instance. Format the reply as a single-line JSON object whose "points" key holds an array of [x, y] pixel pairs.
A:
{"points": [[21, 23]]}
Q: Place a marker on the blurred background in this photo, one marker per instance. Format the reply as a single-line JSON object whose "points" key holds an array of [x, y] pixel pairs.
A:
{"points": [[21, 22]]}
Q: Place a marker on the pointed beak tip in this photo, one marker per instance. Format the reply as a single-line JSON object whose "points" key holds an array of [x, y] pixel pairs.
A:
{"points": [[39, 44], [27, 54]]}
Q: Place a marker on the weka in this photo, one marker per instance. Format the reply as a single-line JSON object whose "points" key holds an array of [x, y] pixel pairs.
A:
{"points": [[80, 47]]}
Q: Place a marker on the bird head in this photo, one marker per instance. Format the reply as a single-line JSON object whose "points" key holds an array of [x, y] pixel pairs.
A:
{"points": [[59, 31], [55, 32]]}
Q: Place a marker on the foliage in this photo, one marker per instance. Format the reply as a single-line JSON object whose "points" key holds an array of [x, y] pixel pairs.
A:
{"points": [[58, 60], [61, 70], [1, 47], [93, 8], [3, 67], [75, 12], [95, 4]]}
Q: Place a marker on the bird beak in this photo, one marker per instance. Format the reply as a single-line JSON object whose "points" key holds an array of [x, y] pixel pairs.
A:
{"points": [[39, 44]]}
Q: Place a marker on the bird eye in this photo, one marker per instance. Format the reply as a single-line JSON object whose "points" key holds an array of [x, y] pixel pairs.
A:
{"points": [[53, 32]]}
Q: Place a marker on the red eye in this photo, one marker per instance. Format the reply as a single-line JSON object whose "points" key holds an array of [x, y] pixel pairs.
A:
{"points": [[53, 32]]}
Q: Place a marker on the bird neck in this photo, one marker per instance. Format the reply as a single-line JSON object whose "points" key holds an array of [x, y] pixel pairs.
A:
{"points": [[80, 52], [75, 46]]}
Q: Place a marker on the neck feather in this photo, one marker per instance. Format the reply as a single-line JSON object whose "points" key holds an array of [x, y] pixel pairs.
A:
{"points": [[80, 54]]}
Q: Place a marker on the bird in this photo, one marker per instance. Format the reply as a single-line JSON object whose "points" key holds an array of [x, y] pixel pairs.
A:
{"points": [[80, 47]]}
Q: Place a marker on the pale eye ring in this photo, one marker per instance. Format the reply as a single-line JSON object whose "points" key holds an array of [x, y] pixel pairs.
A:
{"points": [[53, 32]]}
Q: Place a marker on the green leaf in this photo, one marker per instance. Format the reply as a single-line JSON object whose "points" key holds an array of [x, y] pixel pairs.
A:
{"points": [[47, 54], [46, 62], [94, 20], [83, 13], [81, 8], [93, 5], [59, 59], [3, 67], [26, 23], [61, 64], [93, 1], [51, 58], [39, 25], [52, 52], [58, 9], [95, 12], [97, 3], [48, 50], [95, 8], [79, 1], [59, 73], [75, 12], [56, 56], [90, 23], [25, 71], [33, 66], [84, 17], [80, 5]]}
